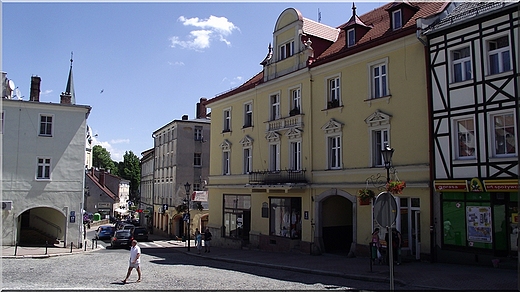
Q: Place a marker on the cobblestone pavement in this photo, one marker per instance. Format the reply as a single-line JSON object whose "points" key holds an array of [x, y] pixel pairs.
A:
{"points": [[409, 275]]}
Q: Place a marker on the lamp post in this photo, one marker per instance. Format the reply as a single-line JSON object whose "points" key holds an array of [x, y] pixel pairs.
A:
{"points": [[387, 153], [387, 159], [187, 187]]}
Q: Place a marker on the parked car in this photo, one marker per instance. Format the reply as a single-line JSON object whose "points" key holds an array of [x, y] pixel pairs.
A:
{"points": [[105, 231], [140, 233], [127, 227], [121, 238]]}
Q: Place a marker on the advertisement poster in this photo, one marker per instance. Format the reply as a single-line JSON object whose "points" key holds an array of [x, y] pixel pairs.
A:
{"points": [[479, 223]]}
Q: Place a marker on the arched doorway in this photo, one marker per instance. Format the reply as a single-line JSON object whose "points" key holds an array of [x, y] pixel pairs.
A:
{"points": [[41, 226], [336, 224]]}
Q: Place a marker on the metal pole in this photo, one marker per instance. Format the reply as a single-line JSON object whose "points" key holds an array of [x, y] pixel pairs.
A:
{"points": [[389, 230], [189, 219]]}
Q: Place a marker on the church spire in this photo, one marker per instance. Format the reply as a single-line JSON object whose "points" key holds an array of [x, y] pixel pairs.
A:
{"points": [[69, 90]]}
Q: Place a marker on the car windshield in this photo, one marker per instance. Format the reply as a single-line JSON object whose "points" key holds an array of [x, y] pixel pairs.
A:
{"points": [[123, 234]]}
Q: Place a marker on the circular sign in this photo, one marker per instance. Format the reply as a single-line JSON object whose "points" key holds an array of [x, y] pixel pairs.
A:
{"points": [[385, 209]]}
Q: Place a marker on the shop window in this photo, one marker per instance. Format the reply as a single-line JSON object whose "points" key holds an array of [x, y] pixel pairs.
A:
{"points": [[237, 216], [285, 217]]}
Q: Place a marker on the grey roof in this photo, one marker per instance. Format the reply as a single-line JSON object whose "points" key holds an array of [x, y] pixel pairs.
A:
{"points": [[469, 10]]}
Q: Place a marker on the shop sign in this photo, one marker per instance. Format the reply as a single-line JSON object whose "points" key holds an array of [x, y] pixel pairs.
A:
{"points": [[479, 223], [103, 205], [451, 185], [501, 185], [475, 185], [199, 196]]}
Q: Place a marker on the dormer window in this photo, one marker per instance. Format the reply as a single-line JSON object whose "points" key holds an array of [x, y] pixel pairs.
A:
{"points": [[286, 50], [351, 35], [397, 19]]}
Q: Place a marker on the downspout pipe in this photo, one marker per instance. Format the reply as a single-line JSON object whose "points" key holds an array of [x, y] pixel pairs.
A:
{"points": [[424, 40]]}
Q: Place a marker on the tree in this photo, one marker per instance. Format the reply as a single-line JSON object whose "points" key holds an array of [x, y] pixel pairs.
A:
{"points": [[101, 159], [130, 169]]}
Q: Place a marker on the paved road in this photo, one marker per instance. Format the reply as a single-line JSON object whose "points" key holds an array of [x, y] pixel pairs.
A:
{"points": [[163, 268]]}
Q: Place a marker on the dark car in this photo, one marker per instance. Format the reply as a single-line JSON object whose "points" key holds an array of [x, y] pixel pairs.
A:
{"points": [[140, 233], [127, 227], [121, 238], [105, 232]]}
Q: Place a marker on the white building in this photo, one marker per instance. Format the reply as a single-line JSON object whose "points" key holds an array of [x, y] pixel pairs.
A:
{"points": [[43, 162]]}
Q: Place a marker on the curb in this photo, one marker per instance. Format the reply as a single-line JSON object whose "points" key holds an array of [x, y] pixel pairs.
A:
{"points": [[302, 270]]}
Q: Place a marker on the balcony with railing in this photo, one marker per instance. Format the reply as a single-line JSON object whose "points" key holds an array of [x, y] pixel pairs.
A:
{"points": [[285, 123], [278, 177]]}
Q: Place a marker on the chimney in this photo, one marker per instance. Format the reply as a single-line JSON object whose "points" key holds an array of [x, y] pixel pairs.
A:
{"points": [[102, 177], [35, 88], [185, 117], [65, 98], [201, 108]]}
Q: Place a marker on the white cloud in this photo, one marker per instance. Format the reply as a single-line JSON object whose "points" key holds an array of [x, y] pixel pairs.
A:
{"points": [[234, 81], [213, 28], [176, 63], [116, 154], [48, 91]]}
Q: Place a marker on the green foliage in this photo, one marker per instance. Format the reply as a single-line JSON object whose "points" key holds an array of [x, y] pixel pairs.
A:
{"points": [[101, 158], [130, 169]]}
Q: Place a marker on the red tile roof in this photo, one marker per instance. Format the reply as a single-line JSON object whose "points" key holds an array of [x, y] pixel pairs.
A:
{"points": [[381, 32]]}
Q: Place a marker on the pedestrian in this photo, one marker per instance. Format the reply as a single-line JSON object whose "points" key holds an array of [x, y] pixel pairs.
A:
{"points": [[376, 246], [135, 261], [396, 246], [207, 240], [198, 240]]}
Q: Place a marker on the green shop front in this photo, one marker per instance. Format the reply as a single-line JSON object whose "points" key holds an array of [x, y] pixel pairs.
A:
{"points": [[476, 220]]}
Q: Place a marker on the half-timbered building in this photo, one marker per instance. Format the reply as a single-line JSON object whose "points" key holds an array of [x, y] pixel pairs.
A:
{"points": [[474, 86]]}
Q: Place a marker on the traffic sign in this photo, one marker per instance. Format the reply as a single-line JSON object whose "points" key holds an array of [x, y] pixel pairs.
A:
{"points": [[186, 217], [385, 209]]}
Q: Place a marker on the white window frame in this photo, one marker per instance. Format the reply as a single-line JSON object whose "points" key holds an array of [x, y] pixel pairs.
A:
{"points": [[397, 19], [380, 81], [334, 154], [295, 154], [333, 87], [43, 168], [197, 135], [494, 143], [462, 62], [465, 137], [499, 53], [379, 137], [248, 160], [286, 50], [226, 165], [351, 37], [274, 156], [274, 106], [248, 114], [227, 120], [296, 99], [46, 125]]}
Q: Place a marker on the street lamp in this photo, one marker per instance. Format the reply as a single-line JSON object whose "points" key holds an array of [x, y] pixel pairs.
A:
{"points": [[387, 153], [187, 187]]}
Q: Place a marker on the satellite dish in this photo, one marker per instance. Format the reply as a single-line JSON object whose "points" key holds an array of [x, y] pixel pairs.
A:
{"points": [[17, 94], [11, 85]]}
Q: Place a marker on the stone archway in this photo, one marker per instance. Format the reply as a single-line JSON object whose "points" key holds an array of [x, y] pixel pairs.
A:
{"points": [[41, 226], [336, 223]]}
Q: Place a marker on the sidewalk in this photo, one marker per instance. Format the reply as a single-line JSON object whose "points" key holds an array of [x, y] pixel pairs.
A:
{"points": [[421, 275]]}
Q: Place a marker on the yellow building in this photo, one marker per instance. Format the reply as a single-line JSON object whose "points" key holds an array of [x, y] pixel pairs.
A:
{"points": [[293, 145]]}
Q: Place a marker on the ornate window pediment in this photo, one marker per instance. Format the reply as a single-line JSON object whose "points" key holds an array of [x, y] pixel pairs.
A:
{"points": [[246, 141], [272, 136], [294, 133], [378, 118], [225, 145], [332, 126]]}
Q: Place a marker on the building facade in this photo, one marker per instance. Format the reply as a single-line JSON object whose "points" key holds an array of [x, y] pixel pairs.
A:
{"points": [[474, 77], [302, 138], [107, 194], [180, 155], [43, 166]]}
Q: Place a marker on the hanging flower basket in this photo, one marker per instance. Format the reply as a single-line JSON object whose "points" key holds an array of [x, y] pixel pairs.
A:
{"points": [[395, 187], [365, 196]]}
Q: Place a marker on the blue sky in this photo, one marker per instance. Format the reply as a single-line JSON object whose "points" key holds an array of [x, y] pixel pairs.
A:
{"points": [[140, 65]]}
